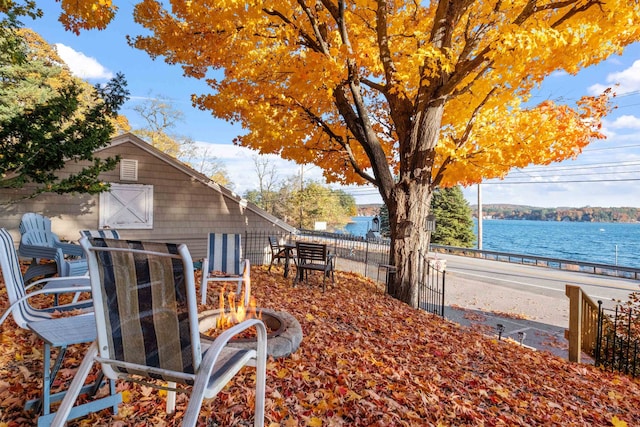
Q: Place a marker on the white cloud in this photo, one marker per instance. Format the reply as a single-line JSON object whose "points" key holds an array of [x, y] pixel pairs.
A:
{"points": [[559, 73], [81, 65], [628, 81], [601, 194], [625, 122], [543, 191], [238, 161], [597, 89]]}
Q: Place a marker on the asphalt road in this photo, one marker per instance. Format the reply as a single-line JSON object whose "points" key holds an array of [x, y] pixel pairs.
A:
{"points": [[528, 301], [540, 280]]}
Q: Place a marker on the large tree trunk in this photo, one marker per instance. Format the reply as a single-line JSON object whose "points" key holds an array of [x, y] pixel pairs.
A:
{"points": [[409, 239], [409, 204]]}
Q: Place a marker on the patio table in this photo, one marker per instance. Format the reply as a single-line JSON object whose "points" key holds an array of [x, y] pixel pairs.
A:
{"points": [[288, 254]]}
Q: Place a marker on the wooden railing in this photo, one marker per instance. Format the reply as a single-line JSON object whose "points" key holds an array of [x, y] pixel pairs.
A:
{"points": [[583, 323]]}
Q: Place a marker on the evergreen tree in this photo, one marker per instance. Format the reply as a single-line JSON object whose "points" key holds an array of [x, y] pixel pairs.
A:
{"points": [[48, 118], [454, 223]]}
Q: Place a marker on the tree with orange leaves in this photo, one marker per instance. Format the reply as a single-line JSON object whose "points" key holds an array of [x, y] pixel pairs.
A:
{"points": [[407, 96]]}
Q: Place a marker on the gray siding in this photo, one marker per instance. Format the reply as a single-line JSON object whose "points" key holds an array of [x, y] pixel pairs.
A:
{"points": [[185, 209]]}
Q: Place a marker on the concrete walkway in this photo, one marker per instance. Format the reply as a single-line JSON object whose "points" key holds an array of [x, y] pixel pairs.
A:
{"points": [[542, 319]]}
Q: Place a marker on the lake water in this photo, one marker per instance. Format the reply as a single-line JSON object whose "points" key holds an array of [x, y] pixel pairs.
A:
{"points": [[359, 226], [607, 243]]}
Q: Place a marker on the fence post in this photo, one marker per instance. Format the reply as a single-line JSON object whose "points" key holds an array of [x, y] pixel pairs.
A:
{"points": [[599, 333], [444, 276], [575, 322], [366, 258]]}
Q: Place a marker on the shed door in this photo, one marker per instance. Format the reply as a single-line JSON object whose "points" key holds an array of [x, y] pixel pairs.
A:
{"points": [[127, 206]]}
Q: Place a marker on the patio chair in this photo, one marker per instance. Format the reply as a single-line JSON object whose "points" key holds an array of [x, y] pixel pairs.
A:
{"points": [[314, 257], [19, 294], [29, 317], [147, 323], [106, 233], [33, 221], [43, 245], [38, 242], [224, 263], [277, 252]]}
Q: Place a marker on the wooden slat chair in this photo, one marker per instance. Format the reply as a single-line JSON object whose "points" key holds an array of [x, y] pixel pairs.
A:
{"points": [[106, 233], [277, 252], [42, 243], [33, 221], [147, 327], [224, 263], [38, 245], [314, 257]]}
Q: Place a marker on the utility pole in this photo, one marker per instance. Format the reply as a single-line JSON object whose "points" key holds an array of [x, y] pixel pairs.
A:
{"points": [[301, 192]]}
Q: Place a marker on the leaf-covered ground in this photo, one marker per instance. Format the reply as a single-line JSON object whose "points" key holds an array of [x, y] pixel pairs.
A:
{"points": [[365, 360]]}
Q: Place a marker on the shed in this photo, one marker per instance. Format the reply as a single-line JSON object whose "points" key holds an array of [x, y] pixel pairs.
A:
{"points": [[153, 196]]}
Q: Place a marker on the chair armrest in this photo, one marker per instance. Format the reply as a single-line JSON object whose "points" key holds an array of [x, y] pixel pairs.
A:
{"points": [[51, 253], [246, 267], [71, 249], [63, 282], [217, 344], [211, 356], [22, 299], [36, 251]]}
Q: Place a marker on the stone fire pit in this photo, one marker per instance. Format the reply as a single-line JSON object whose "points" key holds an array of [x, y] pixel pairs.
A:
{"points": [[284, 338]]}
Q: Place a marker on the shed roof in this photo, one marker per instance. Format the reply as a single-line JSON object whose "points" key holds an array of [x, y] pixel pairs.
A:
{"points": [[186, 169]]}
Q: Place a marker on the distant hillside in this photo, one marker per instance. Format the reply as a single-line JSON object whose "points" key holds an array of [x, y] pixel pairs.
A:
{"points": [[510, 211], [369, 210], [584, 214]]}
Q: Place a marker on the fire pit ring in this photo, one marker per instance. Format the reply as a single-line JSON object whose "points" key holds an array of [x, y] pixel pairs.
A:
{"points": [[285, 336]]}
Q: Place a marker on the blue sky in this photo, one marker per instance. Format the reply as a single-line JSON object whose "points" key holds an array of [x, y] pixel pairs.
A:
{"points": [[606, 174]]}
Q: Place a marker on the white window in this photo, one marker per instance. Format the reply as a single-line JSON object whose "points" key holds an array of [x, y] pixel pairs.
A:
{"points": [[127, 206]]}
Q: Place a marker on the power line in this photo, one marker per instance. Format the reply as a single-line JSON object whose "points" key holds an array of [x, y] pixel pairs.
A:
{"points": [[583, 166], [543, 172], [632, 93], [560, 182], [571, 172], [577, 174], [591, 150]]}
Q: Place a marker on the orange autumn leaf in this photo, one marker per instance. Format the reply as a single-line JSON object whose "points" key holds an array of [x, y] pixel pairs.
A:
{"points": [[616, 422], [360, 363]]}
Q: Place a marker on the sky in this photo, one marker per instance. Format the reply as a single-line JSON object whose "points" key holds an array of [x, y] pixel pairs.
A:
{"points": [[606, 174]]}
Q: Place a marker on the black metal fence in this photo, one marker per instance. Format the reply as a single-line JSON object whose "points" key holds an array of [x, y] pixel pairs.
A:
{"points": [[359, 255], [354, 254], [618, 339], [431, 285]]}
